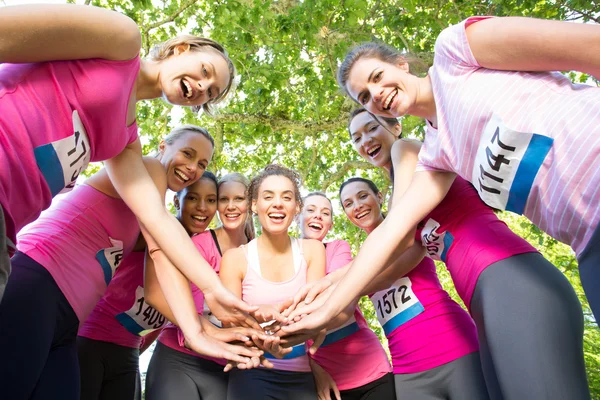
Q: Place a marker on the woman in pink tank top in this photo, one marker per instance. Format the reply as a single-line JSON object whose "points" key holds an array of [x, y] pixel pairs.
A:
{"points": [[268, 271], [353, 343], [432, 340], [176, 372], [71, 254], [110, 341], [63, 68]]}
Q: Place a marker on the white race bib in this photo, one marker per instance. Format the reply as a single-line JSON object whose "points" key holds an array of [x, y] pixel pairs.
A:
{"points": [[396, 305], [110, 258], [506, 164], [62, 161], [436, 244], [141, 318]]}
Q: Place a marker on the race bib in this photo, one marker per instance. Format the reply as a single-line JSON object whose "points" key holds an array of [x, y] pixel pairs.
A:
{"points": [[397, 305], [110, 259], [436, 244], [506, 164], [211, 318], [141, 318], [62, 161], [347, 329]]}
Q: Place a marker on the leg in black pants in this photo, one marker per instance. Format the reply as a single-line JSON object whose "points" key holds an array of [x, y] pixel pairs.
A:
{"points": [[589, 272], [530, 328]]}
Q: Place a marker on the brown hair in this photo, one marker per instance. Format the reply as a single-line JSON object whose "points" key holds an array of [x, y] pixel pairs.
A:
{"points": [[311, 194], [379, 51], [388, 120], [275, 170], [239, 178], [166, 49]]}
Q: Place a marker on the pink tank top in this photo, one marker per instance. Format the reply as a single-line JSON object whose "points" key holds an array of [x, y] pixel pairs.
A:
{"points": [[257, 290], [81, 240], [122, 315], [171, 335], [465, 233], [424, 326], [354, 343], [57, 117]]}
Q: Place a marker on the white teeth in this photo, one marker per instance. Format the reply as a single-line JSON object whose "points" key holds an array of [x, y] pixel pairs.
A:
{"points": [[199, 218], [181, 176], [276, 215], [388, 101], [362, 214], [232, 215], [315, 226], [189, 89], [372, 150]]}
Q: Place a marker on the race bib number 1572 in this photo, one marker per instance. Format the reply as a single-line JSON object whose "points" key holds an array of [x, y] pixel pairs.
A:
{"points": [[506, 164], [397, 305]]}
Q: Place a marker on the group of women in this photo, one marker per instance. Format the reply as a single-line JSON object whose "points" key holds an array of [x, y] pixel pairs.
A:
{"points": [[105, 268]]}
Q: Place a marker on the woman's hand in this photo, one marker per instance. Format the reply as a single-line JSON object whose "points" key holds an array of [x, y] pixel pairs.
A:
{"points": [[324, 382], [229, 309], [271, 312], [207, 345], [308, 293]]}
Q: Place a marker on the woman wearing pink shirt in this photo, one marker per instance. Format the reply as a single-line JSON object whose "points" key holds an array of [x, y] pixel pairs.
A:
{"points": [[353, 343], [525, 140], [63, 69]]}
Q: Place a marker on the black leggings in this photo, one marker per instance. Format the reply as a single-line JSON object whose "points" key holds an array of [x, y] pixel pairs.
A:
{"points": [[38, 328], [530, 328], [380, 389], [589, 272], [173, 375], [271, 384], [4, 258], [108, 371]]}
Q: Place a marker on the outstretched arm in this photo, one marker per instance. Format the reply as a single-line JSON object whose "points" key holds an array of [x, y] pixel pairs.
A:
{"points": [[36, 32], [529, 44]]}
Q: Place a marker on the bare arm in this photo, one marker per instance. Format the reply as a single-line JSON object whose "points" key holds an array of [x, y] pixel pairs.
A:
{"points": [[316, 260], [132, 182], [528, 44], [34, 33], [153, 292]]}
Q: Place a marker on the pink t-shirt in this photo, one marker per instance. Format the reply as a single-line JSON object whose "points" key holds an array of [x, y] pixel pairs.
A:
{"points": [[57, 117], [171, 335], [424, 326], [257, 290], [528, 141], [354, 343], [465, 233], [122, 315], [81, 240]]}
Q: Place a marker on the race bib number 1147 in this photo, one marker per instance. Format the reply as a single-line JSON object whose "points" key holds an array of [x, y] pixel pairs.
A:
{"points": [[506, 164]]}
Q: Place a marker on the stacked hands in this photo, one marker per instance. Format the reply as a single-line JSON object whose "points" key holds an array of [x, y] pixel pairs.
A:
{"points": [[249, 332]]}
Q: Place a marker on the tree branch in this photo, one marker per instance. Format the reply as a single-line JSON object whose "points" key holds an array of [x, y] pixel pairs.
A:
{"points": [[283, 123], [348, 165], [184, 6]]}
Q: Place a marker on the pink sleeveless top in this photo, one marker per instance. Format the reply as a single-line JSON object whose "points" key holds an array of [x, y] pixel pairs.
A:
{"points": [[465, 233], [257, 290], [354, 343], [57, 117], [122, 315], [171, 335], [81, 240], [424, 326]]}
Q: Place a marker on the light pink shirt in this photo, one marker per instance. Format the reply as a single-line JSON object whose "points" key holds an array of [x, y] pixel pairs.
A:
{"points": [[257, 290], [529, 142], [81, 240], [465, 233], [57, 117], [122, 315], [424, 326], [354, 343]]}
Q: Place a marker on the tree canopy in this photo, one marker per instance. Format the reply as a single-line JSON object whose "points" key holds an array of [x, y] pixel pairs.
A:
{"points": [[288, 109]]}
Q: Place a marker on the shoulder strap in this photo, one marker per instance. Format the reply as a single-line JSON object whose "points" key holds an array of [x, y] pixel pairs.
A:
{"points": [[251, 251], [214, 236]]}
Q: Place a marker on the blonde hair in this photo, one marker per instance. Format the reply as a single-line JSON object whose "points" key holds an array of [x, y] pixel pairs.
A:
{"points": [[183, 129], [166, 49], [239, 178]]}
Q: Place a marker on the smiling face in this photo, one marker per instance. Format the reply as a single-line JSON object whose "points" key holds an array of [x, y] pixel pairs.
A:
{"points": [[382, 88], [186, 159], [233, 205], [193, 78], [316, 217], [276, 204], [371, 140], [197, 205], [362, 206]]}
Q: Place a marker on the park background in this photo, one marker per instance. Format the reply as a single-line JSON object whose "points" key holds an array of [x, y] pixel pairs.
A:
{"points": [[288, 109]]}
